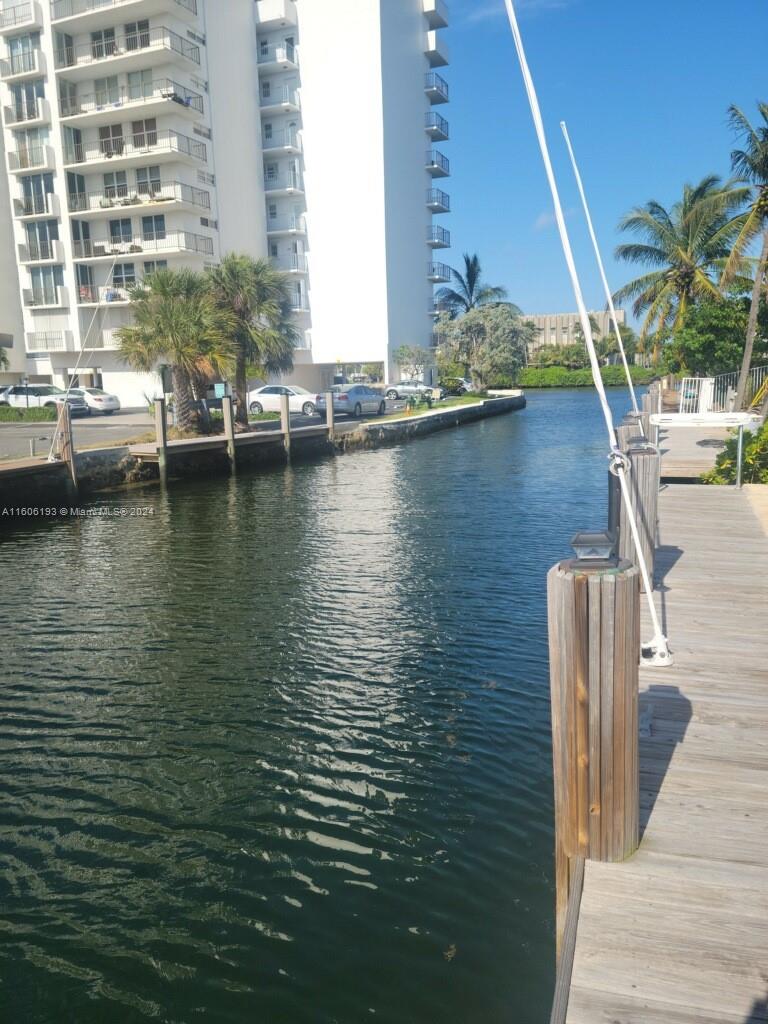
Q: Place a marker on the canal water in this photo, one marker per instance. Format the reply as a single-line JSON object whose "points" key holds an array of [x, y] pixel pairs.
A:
{"points": [[279, 752]]}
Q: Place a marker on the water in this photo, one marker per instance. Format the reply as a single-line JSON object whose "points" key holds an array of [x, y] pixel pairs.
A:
{"points": [[280, 752]]}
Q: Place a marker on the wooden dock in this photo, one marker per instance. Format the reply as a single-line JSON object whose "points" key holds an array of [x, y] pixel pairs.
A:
{"points": [[687, 452], [678, 933]]}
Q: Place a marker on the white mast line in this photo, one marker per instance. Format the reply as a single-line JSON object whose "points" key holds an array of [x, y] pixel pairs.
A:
{"points": [[658, 650], [606, 286]]}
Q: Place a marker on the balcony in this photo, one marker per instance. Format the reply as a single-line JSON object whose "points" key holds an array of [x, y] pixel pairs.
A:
{"points": [[436, 13], [153, 100], [90, 295], [106, 249], [278, 58], [20, 16], [282, 100], [437, 50], [135, 150], [274, 14], [437, 201], [439, 166], [286, 226], [28, 115], [284, 185], [33, 158], [293, 263], [436, 127], [436, 88], [23, 65], [136, 51], [46, 298], [101, 13], [41, 252], [438, 237], [35, 207], [438, 273], [48, 341], [108, 339], [123, 198], [281, 142]]}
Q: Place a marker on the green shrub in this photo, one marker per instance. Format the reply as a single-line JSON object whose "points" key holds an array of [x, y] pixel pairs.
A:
{"points": [[754, 460], [10, 414], [254, 417], [560, 377]]}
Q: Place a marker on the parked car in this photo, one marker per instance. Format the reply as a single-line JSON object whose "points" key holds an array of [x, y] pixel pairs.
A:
{"points": [[408, 389], [456, 385], [267, 399], [36, 396], [97, 400], [354, 400]]}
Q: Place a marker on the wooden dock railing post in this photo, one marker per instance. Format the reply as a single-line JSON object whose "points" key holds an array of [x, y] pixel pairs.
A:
{"points": [[594, 646], [330, 414], [285, 424], [229, 430], [67, 447], [161, 437]]}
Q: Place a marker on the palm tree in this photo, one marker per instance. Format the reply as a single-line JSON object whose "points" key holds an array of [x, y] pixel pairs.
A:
{"points": [[751, 164], [258, 296], [470, 290], [687, 245], [177, 321]]}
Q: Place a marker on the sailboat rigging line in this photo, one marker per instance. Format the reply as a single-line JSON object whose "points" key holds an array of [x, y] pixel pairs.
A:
{"points": [[656, 651]]}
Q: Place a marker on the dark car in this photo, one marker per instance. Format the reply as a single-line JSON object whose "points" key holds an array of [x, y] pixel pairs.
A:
{"points": [[456, 385]]}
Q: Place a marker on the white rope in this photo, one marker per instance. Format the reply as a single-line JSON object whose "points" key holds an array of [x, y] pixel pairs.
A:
{"points": [[606, 286], [658, 645]]}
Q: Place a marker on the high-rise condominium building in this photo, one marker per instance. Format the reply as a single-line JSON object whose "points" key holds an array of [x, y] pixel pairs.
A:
{"points": [[141, 134]]}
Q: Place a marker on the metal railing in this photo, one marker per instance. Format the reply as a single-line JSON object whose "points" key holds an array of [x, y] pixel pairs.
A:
{"points": [[31, 157], [163, 88], [295, 262], [283, 181], [435, 197], [143, 39], [436, 161], [287, 139], [91, 295], [280, 96], [438, 235], [277, 55], [56, 296], [41, 251], [161, 242], [297, 224], [438, 272], [435, 84], [37, 205], [70, 8], [28, 63], [20, 113], [48, 341], [17, 15], [144, 195], [435, 123], [718, 394], [146, 142], [107, 339]]}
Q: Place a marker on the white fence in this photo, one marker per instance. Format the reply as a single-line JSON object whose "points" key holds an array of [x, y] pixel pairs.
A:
{"points": [[718, 394]]}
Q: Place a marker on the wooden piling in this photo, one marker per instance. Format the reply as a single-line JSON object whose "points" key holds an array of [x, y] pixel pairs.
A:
{"points": [[229, 431], [67, 444], [643, 480], [329, 414], [594, 645], [285, 424], [161, 437]]}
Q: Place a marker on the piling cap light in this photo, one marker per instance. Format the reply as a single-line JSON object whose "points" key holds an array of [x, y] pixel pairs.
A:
{"points": [[593, 547]]}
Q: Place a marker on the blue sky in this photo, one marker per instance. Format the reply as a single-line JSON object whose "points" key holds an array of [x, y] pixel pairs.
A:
{"points": [[644, 86]]}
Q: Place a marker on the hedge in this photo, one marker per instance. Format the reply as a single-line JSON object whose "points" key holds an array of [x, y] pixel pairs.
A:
{"points": [[560, 377], [10, 414]]}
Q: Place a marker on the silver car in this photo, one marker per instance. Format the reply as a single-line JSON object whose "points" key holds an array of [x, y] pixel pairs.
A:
{"points": [[354, 400], [408, 388], [97, 400]]}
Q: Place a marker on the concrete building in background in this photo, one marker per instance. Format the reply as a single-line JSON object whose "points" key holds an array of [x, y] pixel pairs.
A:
{"points": [[561, 328], [158, 133]]}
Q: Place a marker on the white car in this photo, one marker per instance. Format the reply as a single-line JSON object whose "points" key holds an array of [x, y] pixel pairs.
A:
{"points": [[34, 396], [267, 399], [97, 400]]}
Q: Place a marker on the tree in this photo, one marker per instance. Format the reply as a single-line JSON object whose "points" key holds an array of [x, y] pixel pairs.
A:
{"points": [[373, 371], [258, 298], [751, 164], [687, 245], [470, 291], [489, 341], [177, 321], [412, 360], [711, 339]]}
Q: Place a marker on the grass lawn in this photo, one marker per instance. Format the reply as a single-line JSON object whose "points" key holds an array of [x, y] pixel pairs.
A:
{"points": [[420, 410]]}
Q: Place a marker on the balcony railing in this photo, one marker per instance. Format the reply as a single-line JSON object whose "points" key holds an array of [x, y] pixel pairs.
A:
{"points": [[41, 251], [286, 224], [91, 295], [46, 298], [122, 195], [31, 62], [277, 55], [438, 201], [288, 139], [48, 341], [437, 164], [148, 143], [438, 236], [31, 158], [113, 99], [108, 339], [185, 241], [37, 206], [293, 263], [281, 96], [70, 8], [438, 272], [436, 126], [436, 87], [17, 16], [283, 182], [21, 113], [160, 38]]}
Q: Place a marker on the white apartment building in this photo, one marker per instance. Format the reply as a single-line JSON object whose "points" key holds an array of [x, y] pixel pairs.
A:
{"points": [[147, 133]]}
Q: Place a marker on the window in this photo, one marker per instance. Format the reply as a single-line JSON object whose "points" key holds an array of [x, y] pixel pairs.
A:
{"points": [[271, 173], [115, 185], [103, 43], [107, 90], [153, 228], [136, 35], [121, 231], [46, 282], [139, 84], [40, 237], [273, 251], [123, 276], [272, 210], [111, 140], [264, 48], [148, 181], [267, 131], [150, 266], [144, 133], [205, 178], [266, 90]]}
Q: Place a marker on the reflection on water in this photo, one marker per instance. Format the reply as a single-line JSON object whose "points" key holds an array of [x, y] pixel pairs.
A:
{"points": [[281, 751]]}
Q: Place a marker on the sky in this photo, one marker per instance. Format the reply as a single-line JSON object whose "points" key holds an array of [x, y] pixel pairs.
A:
{"points": [[644, 86]]}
